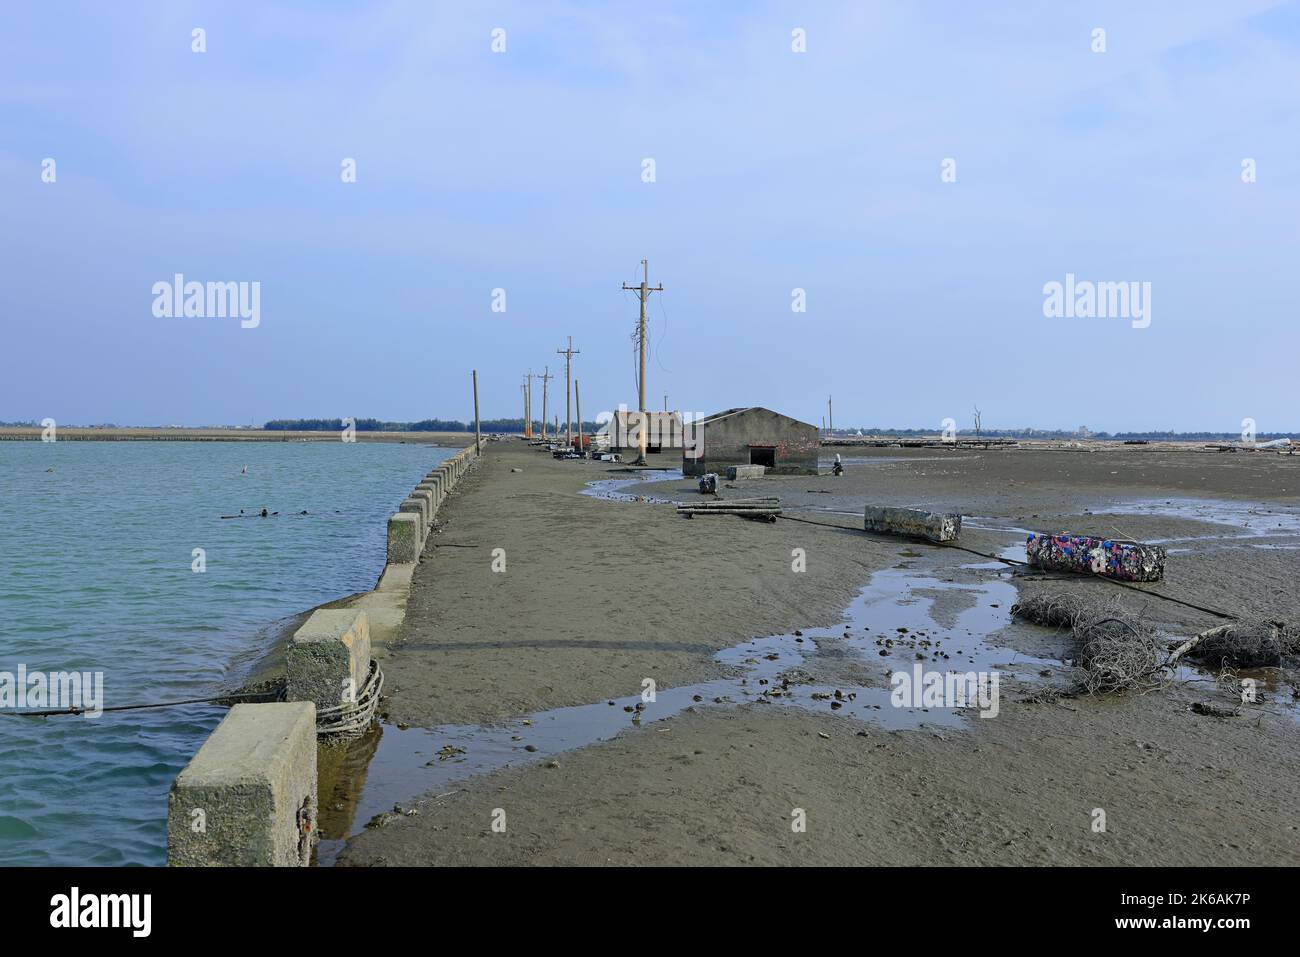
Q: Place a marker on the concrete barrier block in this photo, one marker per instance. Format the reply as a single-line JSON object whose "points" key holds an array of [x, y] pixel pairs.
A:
{"points": [[328, 658], [404, 537], [431, 490], [423, 491], [248, 797], [913, 522], [418, 506], [745, 471]]}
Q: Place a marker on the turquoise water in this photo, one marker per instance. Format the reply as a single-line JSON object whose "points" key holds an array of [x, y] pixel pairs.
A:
{"points": [[96, 575]]}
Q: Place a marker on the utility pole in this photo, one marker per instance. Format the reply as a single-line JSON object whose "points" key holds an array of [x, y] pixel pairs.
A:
{"points": [[578, 401], [643, 293], [568, 354], [665, 401], [528, 416], [478, 438], [830, 414], [545, 377]]}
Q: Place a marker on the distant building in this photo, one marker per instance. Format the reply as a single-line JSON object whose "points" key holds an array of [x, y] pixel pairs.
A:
{"points": [[750, 436], [622, 432]]}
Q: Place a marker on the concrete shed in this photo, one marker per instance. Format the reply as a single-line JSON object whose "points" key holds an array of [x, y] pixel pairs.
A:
{"points": [[622, 433], [750, 436]]}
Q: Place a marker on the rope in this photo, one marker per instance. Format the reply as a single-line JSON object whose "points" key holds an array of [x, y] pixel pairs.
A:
{"points": [[232, 698], [1010, 561], [342, 720], [352, 718]]}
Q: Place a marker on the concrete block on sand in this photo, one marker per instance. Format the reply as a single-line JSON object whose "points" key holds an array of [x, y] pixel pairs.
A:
{"points": [[328, 657], [913, 522], [238, 802], [404, 537], [745, 471]]}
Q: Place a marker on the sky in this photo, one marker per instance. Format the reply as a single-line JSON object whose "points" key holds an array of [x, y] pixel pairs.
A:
{"points": [[920, 170]]}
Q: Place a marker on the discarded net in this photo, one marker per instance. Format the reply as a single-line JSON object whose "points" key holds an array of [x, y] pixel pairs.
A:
{"points": [[1246, 644]]}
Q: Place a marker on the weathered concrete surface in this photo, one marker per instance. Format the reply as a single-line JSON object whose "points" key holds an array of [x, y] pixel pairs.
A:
{"points": [[237, 803], [328, 657], [385, 607], [404, 538], [432, 489], [419, 506], [746, 471], [424, 492], [913, 522]]}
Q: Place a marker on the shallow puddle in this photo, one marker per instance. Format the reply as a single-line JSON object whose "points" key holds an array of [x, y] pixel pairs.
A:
{"points": [[1248, 521], [619, 489]]}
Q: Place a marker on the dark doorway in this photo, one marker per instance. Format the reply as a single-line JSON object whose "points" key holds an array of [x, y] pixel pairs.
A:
{"points": [[762, 455]]}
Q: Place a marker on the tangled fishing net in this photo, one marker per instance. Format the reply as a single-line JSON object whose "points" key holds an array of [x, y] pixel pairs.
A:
{"points": [[1117, 652], [1249, 643]]}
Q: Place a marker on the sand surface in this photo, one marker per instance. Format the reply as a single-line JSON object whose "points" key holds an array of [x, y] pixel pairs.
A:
{"points": [[598, 595]]}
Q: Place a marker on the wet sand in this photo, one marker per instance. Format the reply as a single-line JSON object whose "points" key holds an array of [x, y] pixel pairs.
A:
{"points": [[599, 595]]}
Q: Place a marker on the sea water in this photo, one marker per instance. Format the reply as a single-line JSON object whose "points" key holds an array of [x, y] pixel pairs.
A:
{"points": [[115, 560]]}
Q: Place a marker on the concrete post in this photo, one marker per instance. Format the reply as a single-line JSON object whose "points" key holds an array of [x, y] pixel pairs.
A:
{"points": [[248, 797], [418, 506], [328, 658], [404, 538], [431, 490], [422, 491]]}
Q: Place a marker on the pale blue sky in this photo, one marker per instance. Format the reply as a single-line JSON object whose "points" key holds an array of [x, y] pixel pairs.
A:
{"points": [[775, 170]]}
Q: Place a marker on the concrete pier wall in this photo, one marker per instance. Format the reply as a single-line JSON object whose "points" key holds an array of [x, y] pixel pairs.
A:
{"points": [[249, 796]]}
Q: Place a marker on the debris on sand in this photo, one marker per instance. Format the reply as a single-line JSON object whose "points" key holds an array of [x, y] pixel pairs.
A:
{"points": [[1116, 652], [1092, 554], [1214, 711], [1050, 609], [1246, 644]]}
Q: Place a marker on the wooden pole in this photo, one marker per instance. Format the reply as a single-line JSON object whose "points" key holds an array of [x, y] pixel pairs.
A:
{"points": [[643, 293], [545, 377], [528, 406], [478, 438], [578, 400], [568, 354]]}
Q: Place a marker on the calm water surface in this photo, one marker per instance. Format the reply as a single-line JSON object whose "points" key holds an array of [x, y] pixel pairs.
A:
{"points": [[96, 575]]}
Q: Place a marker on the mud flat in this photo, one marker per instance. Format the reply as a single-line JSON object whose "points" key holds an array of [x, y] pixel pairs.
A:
{"points": [[516, 696]]}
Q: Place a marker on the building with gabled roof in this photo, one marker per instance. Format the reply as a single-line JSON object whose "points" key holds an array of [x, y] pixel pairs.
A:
{"points": [[750, 435]]}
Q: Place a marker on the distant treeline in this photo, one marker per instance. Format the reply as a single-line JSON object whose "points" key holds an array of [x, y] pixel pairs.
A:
{"points": [[424, 425], [1063, 434]]}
